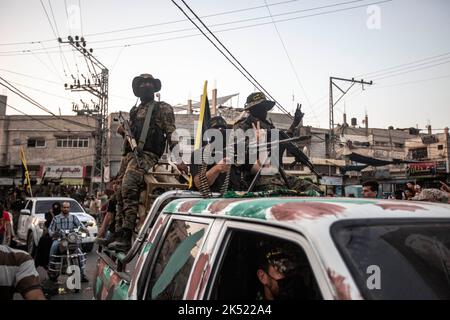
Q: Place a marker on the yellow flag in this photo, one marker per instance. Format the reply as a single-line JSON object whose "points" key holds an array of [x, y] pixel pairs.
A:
{"points": [[203, 122], [25, 169]]}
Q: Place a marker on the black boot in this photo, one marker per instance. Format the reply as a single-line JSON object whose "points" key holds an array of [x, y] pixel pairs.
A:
{"points": [[123, 243]]}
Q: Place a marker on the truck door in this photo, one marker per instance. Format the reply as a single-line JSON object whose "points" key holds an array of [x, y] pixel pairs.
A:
{"points": [[248, 254], [168, 273]]}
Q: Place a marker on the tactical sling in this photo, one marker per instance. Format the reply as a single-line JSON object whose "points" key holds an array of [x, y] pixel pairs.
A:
{"points": [[146, 126]]}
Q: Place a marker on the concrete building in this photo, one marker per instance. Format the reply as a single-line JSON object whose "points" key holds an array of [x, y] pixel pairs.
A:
{"points": [[432, 153], [61, 146], [377, 144]]}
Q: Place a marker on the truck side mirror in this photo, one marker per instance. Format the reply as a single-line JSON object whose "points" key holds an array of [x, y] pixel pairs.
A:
{"points": [[25, 212]]}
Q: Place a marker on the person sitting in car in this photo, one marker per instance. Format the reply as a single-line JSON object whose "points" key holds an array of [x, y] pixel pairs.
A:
{"points": [[278, 274]]}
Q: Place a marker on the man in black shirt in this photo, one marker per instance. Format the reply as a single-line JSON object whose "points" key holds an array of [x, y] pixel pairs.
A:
{"points": [[210, 168]]}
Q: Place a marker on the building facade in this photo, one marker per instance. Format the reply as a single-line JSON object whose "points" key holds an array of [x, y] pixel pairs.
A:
{"points": [[55, 147]]}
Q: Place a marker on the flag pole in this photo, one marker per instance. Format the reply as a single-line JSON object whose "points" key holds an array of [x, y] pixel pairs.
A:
{"points": [[27, 174]]}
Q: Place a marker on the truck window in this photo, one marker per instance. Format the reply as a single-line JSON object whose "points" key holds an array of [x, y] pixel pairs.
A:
{"points": [[29, 205], [248, 252], [43, 206], [397, 259], [175, 260]]}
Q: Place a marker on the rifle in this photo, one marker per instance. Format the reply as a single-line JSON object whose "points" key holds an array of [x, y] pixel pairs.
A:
{"points": [[300, 157], [130, 138], [298, 154]]}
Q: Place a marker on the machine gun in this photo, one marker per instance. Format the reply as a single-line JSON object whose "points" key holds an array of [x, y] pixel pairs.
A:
{"points": [[130, 138]]}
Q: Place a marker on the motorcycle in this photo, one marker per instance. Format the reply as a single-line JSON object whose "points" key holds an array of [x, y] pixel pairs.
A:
{"points": [[69, 254]]}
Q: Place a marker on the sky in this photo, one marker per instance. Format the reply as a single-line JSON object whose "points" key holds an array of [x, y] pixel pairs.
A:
{"points": [[402, 45]]}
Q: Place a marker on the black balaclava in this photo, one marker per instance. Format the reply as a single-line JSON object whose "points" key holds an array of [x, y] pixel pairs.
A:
{"points": [[56, 208], [290, 288], [146, 93], [259, 112]]}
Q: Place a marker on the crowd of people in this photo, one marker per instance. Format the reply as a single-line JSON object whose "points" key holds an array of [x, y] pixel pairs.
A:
{"points": [[411, 191]]}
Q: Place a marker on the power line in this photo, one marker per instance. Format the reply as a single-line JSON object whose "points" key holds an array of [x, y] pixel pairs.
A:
{"points": [[404, 64], [67, 17], [381, 73], [26, 52], [410, 82], [290, 62], [23, 96], [147, 26], [54, 66], [42, 91], [352, 96], [56, 34], [17, 91], [234, 58], [53, 16], [52, 82], [45, 65], [215, 45], [412, 70], [117, 58], [48, 19], [144, 26], [183, 20], [31, 77], [227, 23], [33, 118], [81, 19]]}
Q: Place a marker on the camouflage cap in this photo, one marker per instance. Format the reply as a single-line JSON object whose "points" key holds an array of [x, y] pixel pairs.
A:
{"points": [[217, 122], [258, 99], [432, 195], [137, 81], [280, 260]]}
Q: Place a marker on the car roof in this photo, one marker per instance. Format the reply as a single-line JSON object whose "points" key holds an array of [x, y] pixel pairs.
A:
{"points": [[318, 212], [52, 198]]}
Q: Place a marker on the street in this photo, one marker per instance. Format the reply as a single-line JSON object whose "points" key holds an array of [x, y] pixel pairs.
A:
{"points": [[60, 290]]}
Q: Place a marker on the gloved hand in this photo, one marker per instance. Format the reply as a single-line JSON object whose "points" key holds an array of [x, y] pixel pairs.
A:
{"points": [[298, 116]]}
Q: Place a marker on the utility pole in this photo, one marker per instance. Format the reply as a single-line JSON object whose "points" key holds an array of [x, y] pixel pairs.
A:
{"points": [[96, 83], [333, 80]]}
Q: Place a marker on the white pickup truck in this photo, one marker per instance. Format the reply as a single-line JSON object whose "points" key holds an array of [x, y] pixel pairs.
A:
{"points": [[32, 219], [343, 248]]}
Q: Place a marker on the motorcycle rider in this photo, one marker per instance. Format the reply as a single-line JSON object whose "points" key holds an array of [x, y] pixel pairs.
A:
{"points": [[61, 222]]}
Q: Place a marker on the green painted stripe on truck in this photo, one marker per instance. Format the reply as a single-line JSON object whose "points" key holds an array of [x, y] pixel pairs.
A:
{"points": [[121, 291], [98, 287], [176, 262], [201, 205], [107, 273]]}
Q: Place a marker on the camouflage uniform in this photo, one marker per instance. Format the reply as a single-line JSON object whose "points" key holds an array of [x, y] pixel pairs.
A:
{"points": [[162, 125], [271, 182], [117, 218], [159, 132]]}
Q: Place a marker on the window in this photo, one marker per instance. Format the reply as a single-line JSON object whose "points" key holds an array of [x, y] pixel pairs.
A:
{"points": [[247, 252], [43, 206], [418, 154], [441, 147], [72, 142], [412, 257], [29, 205], [175, 260], [36, 143]]}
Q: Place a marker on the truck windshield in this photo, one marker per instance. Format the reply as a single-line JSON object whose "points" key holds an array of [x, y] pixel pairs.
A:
{"points": [[43, 206], [401, 259]]}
